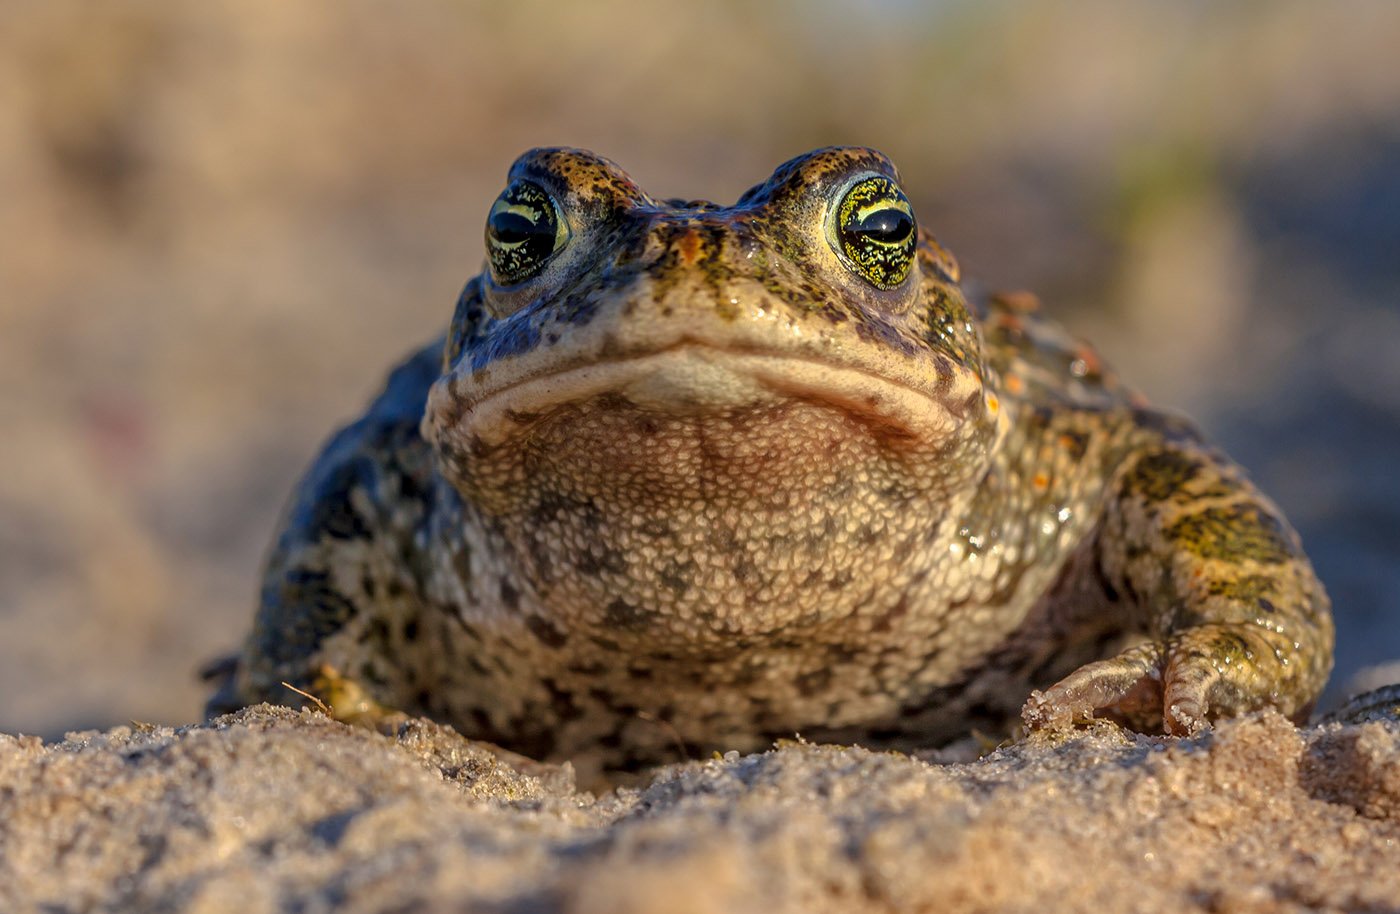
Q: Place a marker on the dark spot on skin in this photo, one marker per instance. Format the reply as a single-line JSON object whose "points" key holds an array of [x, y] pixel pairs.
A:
{"points": [[1157, 477], [875, 329], [595, 561], [611, 348], [1175, 477], [944, 381], [410, 630], [612, 401], [726, 542], [745, 676], [1038, 419], [1233, 533], [467, 628], [542, 559], [606, 644], [841, 653], [905, 548], [621, 614], [1110, 592], [333, 513], [892, 615], [375, 633], [814, 682], [577, 309], [1130, 593], [510, 597], [512, 336], [546, 631], [301, 611], [678, 576], [525, 735], [562, 701], [1075, 444], [1173, 429], [840, 580], [1007, 329], [462, 567]]}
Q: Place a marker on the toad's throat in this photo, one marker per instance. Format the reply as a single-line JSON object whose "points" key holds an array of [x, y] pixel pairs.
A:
{"points": [[697, 380]]}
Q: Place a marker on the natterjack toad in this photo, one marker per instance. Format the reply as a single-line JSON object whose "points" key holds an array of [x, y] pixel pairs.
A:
{"points": [[684, 477]]}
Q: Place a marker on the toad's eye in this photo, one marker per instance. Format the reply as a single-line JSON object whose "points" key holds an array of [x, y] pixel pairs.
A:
{"points": [[523, 231], [874, 231]]}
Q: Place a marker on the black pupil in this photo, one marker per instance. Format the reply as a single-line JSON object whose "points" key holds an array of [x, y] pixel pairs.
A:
{"points": [[512, 228], [888, 226]]}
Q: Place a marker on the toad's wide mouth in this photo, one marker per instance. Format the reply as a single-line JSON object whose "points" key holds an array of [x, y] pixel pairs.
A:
{"points": [[695, 379]]}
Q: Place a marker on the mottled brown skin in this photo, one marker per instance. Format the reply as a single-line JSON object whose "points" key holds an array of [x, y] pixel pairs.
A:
{"points": [[693, 478]]}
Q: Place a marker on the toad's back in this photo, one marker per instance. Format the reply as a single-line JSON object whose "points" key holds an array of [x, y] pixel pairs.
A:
{"points": [[684, 473]]}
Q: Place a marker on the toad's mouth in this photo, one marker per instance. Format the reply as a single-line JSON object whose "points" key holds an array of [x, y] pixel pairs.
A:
{"points": [[693, 379]]}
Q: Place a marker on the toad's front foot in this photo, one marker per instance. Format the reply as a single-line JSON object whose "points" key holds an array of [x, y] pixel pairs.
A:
{"points": [[1201, 674]]}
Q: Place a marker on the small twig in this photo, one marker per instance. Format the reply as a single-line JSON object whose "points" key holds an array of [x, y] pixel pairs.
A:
{"points": [[321, 705]]}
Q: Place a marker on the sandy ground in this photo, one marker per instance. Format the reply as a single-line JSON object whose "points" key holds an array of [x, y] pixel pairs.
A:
{"points": [[224, 220], [271, 810]]}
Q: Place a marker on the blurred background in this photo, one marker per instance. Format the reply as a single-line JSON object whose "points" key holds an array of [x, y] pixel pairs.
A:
{"points": [[222, 221]]}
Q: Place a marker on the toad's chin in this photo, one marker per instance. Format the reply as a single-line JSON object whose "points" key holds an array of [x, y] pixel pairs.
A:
{"points": [[688, 383]]}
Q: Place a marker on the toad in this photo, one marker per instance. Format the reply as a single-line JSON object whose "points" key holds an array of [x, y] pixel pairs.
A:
{"points": [[683, 477]]}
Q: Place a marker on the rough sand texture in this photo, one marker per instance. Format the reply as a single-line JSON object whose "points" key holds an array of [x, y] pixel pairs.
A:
{"points": [[274, 810]]}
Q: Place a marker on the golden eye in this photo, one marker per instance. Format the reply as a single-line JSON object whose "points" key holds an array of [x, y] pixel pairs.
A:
{"points": [[875, 231], [522, 232]]}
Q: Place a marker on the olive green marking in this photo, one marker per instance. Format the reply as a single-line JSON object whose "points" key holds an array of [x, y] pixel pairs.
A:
{"points": [[1233, 532], [1160, 476], [1177, 478], [1258, 589]]}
